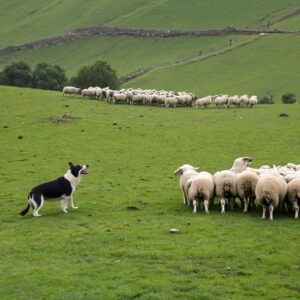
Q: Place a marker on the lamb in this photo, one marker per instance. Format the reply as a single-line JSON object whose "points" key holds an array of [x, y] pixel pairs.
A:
{"points": [[225, 187], [253, 100], [203, 102], [71, 90], [200, 187], [270, 191], [185, 172], [246, 185], [293, 195]]}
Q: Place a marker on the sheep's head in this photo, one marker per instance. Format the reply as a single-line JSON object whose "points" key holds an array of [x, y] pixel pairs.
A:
{"points": [[184, 168], [241, 163]]}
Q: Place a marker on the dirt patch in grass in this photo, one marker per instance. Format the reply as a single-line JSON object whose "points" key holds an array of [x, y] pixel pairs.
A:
{"points": [[65, 118]]}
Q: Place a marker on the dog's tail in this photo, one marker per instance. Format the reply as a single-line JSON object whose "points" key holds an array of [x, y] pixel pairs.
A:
{"points": [[26, 209]]}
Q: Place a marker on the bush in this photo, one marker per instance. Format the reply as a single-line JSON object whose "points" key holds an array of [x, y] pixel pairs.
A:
{"points": [[99, 74], [288, 98], [16, 74], [48, 77], [266, 99]]}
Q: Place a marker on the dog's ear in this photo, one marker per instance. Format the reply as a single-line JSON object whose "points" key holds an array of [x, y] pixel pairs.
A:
{"points": [[70, 165]]}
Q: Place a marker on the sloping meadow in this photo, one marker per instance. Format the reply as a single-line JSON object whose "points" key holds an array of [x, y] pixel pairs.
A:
{"points": [[118, 244]]}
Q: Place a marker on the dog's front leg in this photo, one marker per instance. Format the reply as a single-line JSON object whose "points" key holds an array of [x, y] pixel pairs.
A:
{"points": [[64, 205], [72, 203]]}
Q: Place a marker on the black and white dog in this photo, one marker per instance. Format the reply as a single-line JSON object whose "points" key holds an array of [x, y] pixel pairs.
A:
{"points": [[60, 189]]}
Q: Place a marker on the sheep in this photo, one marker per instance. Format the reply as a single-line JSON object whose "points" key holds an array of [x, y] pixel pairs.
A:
{"points": [[88, 93], [293, 195], [185, 172], [71, 90], [291, 176], [203, 102], [244, 99], [200, 187], [171, 101], [221, 100], [270, 191], [241, 164], [233, 100], [253, 100], [246, 185], [225, 187], [118, 98]]}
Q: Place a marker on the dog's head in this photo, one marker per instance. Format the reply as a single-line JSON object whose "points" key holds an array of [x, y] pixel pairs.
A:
{"points": [[78, 169]]}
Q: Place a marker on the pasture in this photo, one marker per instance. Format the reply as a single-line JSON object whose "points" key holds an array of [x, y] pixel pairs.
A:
{"points": [[117, 245]]}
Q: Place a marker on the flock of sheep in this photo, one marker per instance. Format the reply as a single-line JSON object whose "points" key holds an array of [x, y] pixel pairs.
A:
{"points": [[269, 186], [160, 98]]}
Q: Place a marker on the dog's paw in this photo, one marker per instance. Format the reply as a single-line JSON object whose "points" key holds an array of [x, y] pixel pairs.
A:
{"points": [[65, 211], [75, 207], [37, 215]]}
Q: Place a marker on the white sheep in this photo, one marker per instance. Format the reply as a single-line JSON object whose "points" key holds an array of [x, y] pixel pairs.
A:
{"points": [[293, 195], [185, 172], [88, 93], [244, 99], [246, 185], [270, 191], [221, 100], [253, 100], [225, 187], [233, 100], [203, 101], [241, 164], [200, 187], [171, 101], [72, 90], [119, 98]]}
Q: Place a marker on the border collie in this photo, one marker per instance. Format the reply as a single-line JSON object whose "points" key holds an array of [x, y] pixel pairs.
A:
{"points": [[61, 188]]}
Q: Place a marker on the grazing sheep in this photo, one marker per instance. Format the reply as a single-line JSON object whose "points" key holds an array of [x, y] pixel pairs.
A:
{"points": [[71, 90], [253, 100], [203, 101], [293, 195], [185, 172], [246, 185], [270, 191], [200, 187], [225, 187]]}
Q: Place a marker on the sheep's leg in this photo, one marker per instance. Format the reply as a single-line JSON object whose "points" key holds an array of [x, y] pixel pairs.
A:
{"points": [[246, 204], [222, 205], [264, 212], [195, 204], [271, 209], [296, 209], [206, 203]]}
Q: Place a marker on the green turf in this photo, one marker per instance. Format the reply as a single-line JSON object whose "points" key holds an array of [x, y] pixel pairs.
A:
{"points": [[269, 63], [25, 21], [125, 54], [105, 251]]}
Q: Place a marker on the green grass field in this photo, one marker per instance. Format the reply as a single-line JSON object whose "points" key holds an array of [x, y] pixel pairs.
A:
{"points": [[105, 251], [269, 63]]}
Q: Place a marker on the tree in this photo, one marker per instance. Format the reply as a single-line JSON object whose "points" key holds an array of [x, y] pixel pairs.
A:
{"points": [[16, 74], [288, 98], [48, 77], [99, 74]]}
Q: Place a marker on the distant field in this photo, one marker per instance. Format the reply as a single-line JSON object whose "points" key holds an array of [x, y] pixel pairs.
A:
{"points": [[125, 54], [26, 21], [105, 251], [269, 63]]}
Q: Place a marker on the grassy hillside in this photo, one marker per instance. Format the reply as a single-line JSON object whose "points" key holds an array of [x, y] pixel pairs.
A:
{"points": [[269, 63], [104, 250], [26, 21], [125, 54]]}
